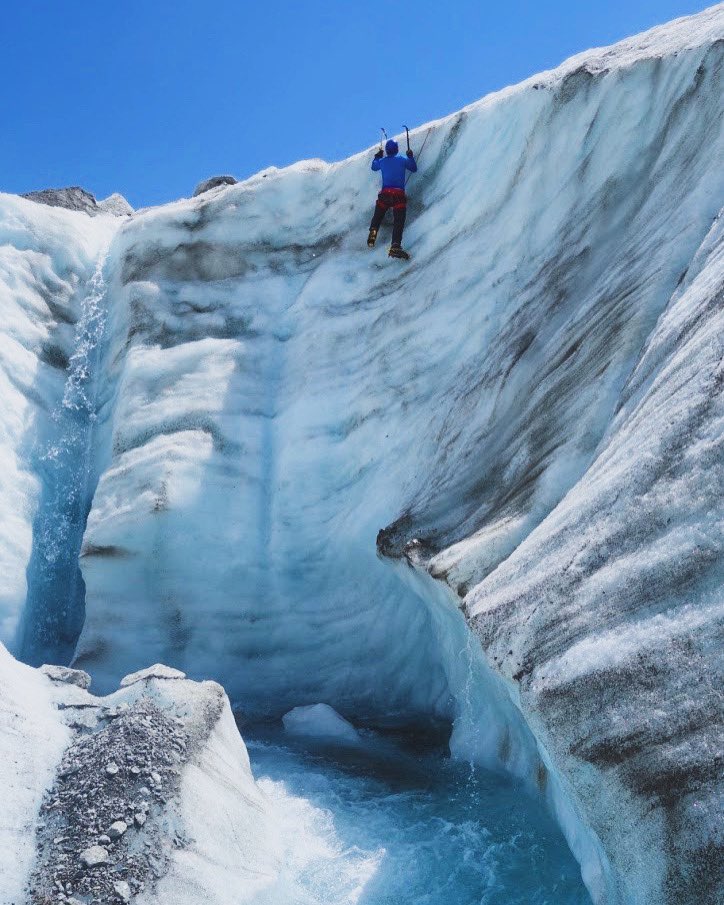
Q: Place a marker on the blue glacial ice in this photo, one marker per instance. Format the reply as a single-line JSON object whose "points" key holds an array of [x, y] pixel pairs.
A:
{"points": [[320, 721]]}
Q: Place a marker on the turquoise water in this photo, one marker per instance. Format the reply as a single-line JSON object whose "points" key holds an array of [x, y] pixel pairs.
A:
{"points": [[389, 823]]}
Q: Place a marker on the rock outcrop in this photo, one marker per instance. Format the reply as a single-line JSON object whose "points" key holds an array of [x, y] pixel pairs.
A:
{"points": [[115, 204], [75, 198], [212, 183]]}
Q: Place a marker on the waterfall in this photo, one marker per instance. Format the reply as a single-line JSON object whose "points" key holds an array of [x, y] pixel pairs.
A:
{"points": [[55, 605]]}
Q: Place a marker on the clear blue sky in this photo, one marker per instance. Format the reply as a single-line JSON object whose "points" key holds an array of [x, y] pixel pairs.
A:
{"points": [[147, 98]]}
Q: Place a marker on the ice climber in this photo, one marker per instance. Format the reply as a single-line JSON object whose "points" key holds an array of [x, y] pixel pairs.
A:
{"points": [[394, 168]]}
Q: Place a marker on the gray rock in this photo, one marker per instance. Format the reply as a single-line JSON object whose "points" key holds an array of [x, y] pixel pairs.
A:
{"points": [[117, 829], [73, 198], [115, 204], [66, 675], [157, 671], [112, 713], [123, 890], [93, 856], [212, 183], [91, 802], [112, 768]]}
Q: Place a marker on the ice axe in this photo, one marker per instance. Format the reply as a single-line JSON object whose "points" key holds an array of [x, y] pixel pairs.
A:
{"points": [[421, 149], [407, 133], [384, 137]]}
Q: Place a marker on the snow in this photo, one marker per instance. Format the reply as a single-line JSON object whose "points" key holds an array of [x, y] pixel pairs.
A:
{"points": [[320, 721], [233, 851], [32, 740], [531, 410]]}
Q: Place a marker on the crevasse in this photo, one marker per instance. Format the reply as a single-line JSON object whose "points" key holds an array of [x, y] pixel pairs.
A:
{"points": [[272, 395], [280, 394]]}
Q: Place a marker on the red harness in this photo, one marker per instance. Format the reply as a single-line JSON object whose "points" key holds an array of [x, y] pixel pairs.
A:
{"points": [[392, 198]]}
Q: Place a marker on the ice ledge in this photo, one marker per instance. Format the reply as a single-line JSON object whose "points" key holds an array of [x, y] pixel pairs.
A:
{"points": [[67, 676], [157, 671]]}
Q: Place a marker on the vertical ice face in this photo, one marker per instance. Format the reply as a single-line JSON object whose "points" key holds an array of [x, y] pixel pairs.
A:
{"points": [[275, 394], [216, 538], [609, 615]]}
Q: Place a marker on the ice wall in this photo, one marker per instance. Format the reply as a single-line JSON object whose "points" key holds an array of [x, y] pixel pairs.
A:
{"points": [[271, 394], [609, 616], [276, 393]]}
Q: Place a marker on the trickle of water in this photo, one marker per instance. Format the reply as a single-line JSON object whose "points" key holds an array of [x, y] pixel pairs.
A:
{"points": [[55, 604], [465, 701]]}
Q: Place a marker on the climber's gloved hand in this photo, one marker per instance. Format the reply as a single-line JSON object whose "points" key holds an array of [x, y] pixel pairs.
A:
{"points": [[380, 154], [410, 153]]}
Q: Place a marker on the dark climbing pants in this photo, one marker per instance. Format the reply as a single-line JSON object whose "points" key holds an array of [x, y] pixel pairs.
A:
{"points": [[395, 199]]}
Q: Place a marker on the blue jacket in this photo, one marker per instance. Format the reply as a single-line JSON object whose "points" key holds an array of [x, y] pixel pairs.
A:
{"points": [[394, 170]]}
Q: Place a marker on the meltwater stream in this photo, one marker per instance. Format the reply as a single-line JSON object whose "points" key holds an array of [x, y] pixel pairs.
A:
{"points": [[385, 823], [55, 603]]}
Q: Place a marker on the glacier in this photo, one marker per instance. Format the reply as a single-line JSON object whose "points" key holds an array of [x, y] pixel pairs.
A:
{"points": [[481, 490]]}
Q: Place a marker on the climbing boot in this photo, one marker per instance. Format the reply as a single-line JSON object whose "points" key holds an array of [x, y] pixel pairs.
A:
{"points": [[397, 251], [372, 238]]}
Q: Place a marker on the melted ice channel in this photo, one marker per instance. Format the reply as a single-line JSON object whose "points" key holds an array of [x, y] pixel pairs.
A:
{"points": [[380, 822]]}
